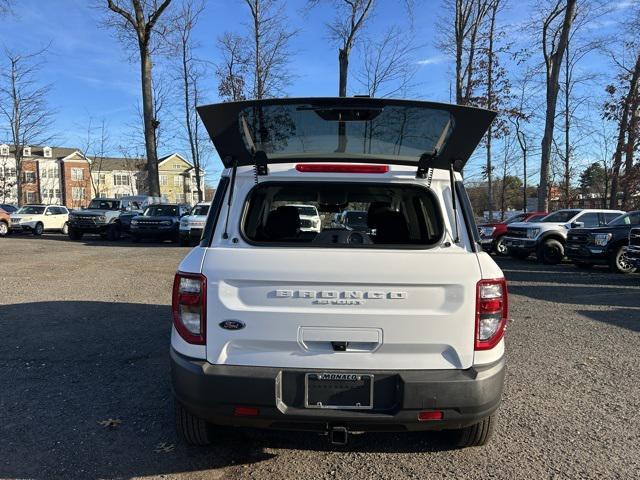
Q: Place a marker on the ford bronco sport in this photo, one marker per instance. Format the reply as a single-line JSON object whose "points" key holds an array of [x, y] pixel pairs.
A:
{"points": [[339, 331]]}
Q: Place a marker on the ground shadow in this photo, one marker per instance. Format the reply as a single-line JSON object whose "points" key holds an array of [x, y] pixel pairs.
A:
{"points": [[620, 317], [86, 394], [97, 241]]}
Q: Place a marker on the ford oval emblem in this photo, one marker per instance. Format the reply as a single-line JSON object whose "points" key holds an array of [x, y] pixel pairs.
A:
{"points": [[232, 325]]}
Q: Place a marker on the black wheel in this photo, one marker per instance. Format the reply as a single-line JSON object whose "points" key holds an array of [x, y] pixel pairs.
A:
{"points": [[4, 229], [583, 265], [474, 435], [193, 430], [74, 234], [619, 263], [38, 229], [65, 229], [113, 232], [500, 248], [551, 252], [519, 254]]}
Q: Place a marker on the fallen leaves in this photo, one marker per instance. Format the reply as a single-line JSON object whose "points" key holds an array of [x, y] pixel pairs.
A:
{"points": [[110, 422], [164, 447]]}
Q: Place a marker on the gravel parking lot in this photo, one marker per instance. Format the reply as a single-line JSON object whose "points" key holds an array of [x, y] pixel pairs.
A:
{"points": [[84, 384]]}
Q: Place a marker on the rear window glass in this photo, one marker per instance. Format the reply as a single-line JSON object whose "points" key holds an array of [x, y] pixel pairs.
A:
{"points": [[350, 215], [162, 211]]}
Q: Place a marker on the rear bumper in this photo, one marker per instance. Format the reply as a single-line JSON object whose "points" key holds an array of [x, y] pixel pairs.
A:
{"points": [[212, 391], [587, 254]]}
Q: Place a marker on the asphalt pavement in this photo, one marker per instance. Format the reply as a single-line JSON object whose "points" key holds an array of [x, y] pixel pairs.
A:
{"points": [[84, 380]]}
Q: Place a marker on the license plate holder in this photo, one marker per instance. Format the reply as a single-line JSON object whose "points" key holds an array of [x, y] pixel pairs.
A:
{"points": [[347, 391]]}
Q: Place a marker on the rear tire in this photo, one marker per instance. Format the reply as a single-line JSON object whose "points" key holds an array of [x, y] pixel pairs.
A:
{"points": [[475, 435], [74, 234], [618, 262], [193, 430], [551, 252], [500, 248], [38, 229]]}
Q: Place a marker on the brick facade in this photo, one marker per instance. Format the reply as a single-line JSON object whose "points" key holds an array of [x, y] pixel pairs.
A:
{"points": [[30, 182], [76, 183]]}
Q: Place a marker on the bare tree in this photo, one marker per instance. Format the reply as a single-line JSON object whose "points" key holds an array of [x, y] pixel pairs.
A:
{"points": [[269, 54], [5, 7], [555, 29], [190, 72], [350, 19], [232, 71], [388, 66], [94, 148], [24, 106], [139, 21]]}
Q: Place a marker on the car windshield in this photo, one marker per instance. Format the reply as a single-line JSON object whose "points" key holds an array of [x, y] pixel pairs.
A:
{"points": [[31, 210], [303, 130], [560, 216], [200, 210], [631, 218], [536, 218], [161, 211], [515, 218], [307, 211], [98, 204], [390, 215], [8, 208]]}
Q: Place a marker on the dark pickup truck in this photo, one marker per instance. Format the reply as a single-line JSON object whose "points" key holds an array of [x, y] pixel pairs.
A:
{"points": [[606, 245], [160, 222], [633, 251]]}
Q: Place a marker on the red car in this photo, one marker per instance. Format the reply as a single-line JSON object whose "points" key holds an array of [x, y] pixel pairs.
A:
{"points": [[491, 234]]}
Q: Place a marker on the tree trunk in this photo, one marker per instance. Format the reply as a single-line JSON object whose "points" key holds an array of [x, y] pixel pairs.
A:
{"points": [[553, 74], [343, 62], [150, 122], [567, 148], [490, 106]]}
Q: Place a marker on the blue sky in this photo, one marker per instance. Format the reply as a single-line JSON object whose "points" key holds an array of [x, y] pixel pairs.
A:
{"points": [[91, 74]]}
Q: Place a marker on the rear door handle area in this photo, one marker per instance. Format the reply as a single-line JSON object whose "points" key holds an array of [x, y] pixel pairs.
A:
{"points": [[347, 340]]}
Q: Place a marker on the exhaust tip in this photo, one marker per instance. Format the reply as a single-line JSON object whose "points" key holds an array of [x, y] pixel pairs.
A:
{"points": [[338, 436]]}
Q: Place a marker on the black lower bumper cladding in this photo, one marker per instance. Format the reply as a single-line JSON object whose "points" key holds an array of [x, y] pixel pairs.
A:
{"points": [[213, 392]]}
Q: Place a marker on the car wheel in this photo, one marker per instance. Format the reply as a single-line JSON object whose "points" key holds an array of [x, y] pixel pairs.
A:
{"points": [[113, 232], [4, 229], [500, 248], [619, 263], [38, 229], [583, 265], [474, 435], [192, 429], [74, 234], [551, 252], [65, 229], [519, 254]]}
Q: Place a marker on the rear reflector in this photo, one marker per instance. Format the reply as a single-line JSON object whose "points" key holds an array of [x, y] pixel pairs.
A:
{"points": [[246, 412], [340, 168], [430, 415], [492, 309]]}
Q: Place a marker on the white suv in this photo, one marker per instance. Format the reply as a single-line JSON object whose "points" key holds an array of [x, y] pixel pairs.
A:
{"points": [[40, 218], [340, 331], [310, 220], [191, 225]]}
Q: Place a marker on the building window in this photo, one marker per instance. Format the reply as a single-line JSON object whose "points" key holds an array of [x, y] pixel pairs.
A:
{"points": [[46, 152], [195, 197], [177, 166], [78, 193], [163, 180], [4, 150], [177, 181], [120, 179], [179, 197], [57, 193], [102, 178], [26, 152], [29, 177], [77, 174], [31, 197], [10, 172]]}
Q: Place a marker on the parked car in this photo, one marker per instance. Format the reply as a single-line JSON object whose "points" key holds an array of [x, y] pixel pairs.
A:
{"points": [[340, 331], [633, 251], [310, 220], [8, 208], [107, 217], [5, 222], [603, 245], [492, 233], [191, 225], [37, 219], [159, 222], [547, 237]]}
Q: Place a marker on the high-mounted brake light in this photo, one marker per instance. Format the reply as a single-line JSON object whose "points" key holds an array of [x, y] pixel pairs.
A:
{"points": [[492, 309], [189, 307], [340, 168]]}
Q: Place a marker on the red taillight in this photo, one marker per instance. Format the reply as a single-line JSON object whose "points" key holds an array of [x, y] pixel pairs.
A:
{"points": [[189, 307], [340, 168], [430, 415], [246, 411], [492, 309]]}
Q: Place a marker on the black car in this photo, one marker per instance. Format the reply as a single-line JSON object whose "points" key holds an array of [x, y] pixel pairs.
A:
{"points": [[159, 221], [633, 251], [603, 245]]}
